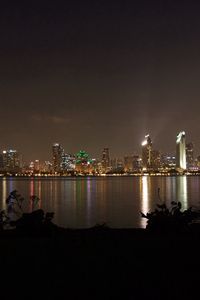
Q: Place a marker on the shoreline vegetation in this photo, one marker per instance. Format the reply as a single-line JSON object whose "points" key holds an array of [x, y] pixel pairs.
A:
{"points": [[159, 262], [164, 219]]}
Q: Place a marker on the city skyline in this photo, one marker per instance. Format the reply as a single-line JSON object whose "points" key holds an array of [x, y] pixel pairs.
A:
{"points": [[102, 153], [98, 74]]}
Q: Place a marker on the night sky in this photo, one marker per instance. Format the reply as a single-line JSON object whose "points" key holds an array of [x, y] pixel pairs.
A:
{"points": [[91, 74]]}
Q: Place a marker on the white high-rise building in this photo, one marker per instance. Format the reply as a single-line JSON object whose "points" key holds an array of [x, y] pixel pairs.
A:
{"points": [[181, 151], [147, 153]]}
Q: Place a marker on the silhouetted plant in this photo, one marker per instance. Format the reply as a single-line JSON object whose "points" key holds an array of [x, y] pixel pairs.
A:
{"points": [[4, 219], [101, 226], [34, 220], [15, 203], [48, 217], [172, 219]]}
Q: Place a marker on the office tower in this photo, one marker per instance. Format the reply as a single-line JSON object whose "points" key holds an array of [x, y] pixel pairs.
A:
{"points": [[68, 163], [168, 161], [47, 167], [197, 162], [57, 152], [146, 152], [1, 162], [181, 151], [120, 164], [83, 163], [95, 166], [31, 167], [132, 163], [117, 165], [113, 163], [155, 159], [189, 155], [105, 160], [36, 166], [128, 163], [11, 161], [137, 163]]}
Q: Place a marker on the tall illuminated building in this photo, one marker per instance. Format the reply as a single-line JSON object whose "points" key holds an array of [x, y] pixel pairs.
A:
{"points": [[113, 164], [128, 163], [190, 155], [57, 154], [1, 162], [47, 167], [181, 151], [36, 165], [11, 160], [84, 164], [68, 163], [155, 159], [168, 161], [147, 153], [105, 159], [132, 163], [137, 163]]}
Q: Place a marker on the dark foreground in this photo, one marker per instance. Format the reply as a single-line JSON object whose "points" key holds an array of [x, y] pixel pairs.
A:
{"points": [[100, 263]]}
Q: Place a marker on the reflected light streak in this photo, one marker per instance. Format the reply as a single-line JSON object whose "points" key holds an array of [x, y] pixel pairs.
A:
{"points": [[55, 188], [169, 192], [183, 192], [88, 200], [74, 194], [79, 192], [4, 193], [145, 198], [39, 193], [31, 194], [10, 185], [51, 190]]}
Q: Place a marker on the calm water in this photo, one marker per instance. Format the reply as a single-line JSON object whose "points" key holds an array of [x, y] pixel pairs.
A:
{"points": [[117, 201]]}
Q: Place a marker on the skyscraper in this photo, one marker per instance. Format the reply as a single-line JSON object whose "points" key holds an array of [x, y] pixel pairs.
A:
{"points": [[147, 152], [155, 159], [190, 155], [137, 163], [132, 163], [1, 162], [128, 163], [168, 161], [105, 159], [36, 165], [180, 151], [83, 162], [57, 153], [11, 160], [68, 163]]}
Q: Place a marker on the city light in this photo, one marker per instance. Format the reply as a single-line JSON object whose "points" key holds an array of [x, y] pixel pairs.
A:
{"points": [[149, 162], [144, 143]]}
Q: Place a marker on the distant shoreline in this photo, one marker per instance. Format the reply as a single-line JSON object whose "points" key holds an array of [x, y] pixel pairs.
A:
{"points": [[97, 176]]}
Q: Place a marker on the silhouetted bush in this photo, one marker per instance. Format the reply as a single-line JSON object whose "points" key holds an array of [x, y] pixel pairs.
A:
{"points": [[4, 219], [101, 226], [34, 221], [172, 219]]}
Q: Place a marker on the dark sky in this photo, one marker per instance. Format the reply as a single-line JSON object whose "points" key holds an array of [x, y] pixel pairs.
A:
{"points": [[90, 74]]}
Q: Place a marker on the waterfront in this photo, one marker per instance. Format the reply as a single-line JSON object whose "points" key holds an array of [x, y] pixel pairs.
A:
{"points": [[116, 201]]}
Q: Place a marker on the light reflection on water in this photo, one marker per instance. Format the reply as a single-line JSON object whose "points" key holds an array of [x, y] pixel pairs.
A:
{"points": [[182, 193], [117, 201], [4, 193], [145, 190], [88, 201]]}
